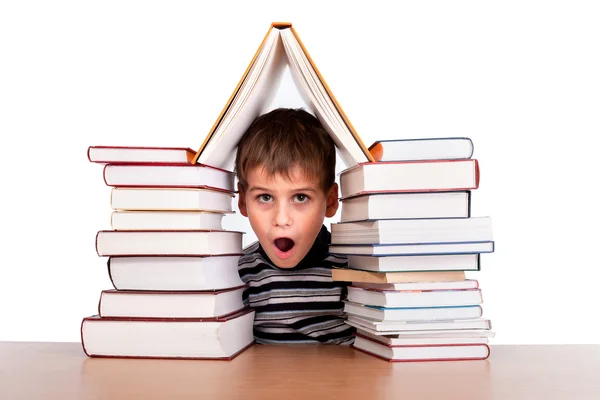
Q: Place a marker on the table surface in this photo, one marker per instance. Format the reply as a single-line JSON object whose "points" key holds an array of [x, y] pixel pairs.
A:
{"points": [[32, 370]]}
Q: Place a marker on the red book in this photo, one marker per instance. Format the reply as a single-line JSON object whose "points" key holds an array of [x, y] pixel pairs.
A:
{"points": [[410, 176], [168, 176], [183, 338], [139, 154], [158, 167], [437, 352]]}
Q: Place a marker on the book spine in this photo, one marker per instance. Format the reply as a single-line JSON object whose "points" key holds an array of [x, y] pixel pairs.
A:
{"points": [[468, 204], [476, 174], [377, 151], [110, 273]]}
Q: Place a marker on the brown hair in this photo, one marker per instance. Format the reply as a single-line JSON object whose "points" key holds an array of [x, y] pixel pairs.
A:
{"points": [[285, 138]]}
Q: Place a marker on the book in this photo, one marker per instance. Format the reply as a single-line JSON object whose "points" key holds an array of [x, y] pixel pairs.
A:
{"points": [[138, 154], [446, 148], [148, 304], [450, 262], [406, 298], [372, 206], [188, 338], [395, 231], [381, 314], [161, 199], [415, 249], [162, 243], [165, 220], [429, 338], [281, 46], [434, 285], [429, 333], [174, 273], [350, 275], [410, 176], [438, 352], [168, 175], [402, 326]]}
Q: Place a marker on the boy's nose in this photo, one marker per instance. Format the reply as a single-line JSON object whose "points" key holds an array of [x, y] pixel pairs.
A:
{"points": [[282, 216]]}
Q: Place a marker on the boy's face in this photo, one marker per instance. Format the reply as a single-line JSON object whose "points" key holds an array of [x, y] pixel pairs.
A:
{"points": [[286, 215]]}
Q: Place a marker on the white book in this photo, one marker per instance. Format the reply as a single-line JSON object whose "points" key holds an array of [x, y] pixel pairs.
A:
{"points": [[405, 205], [433, 285], [430, 333], [192, 338], [164, 243], [402, 326], [146, 304], [451, 262], [409, 231], [432, 298], [176, 199], [382, 314], [401, 339], [414, 249], [443, 148], [168, 175], [165, 220], [174, 273], [410, 176], [423, 353]]}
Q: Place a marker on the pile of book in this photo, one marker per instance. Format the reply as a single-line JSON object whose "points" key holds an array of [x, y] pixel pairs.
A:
{"points": [[177, 292], [408, 232]]}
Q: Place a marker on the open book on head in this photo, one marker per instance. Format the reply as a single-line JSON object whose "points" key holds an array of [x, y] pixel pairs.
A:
{"points": [[255, 91]]}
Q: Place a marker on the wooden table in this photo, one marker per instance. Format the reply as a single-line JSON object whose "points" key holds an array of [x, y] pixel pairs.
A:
{"points": [[61, 371]]}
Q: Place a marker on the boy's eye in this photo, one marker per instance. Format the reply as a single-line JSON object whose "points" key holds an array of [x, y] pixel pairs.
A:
{"points": [[301, 198], [264, 198]]}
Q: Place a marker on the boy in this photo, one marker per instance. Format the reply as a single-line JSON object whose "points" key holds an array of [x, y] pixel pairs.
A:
{"points": [[285, 164]]}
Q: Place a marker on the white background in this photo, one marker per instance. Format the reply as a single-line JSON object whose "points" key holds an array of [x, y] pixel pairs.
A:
{"points": [[520, 78]]}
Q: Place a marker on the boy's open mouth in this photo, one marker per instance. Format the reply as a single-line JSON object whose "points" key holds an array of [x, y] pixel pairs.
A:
{"points": [[284, 244]]}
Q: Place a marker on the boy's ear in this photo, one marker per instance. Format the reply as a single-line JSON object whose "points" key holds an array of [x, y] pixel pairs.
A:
{"points": [[332, 201], [242, 202]]}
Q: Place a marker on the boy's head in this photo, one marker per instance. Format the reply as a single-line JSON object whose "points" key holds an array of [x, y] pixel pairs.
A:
{"points": [[285, 164]]}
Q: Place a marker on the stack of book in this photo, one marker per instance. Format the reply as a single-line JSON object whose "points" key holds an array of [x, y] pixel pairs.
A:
{"points": [[177, 292], [407, 229]]}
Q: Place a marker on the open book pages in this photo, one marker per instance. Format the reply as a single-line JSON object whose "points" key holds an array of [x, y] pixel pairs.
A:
{"points": [[256, 90]]}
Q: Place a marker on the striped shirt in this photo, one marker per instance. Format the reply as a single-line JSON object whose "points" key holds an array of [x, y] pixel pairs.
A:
{"points": [[300, 304]]}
